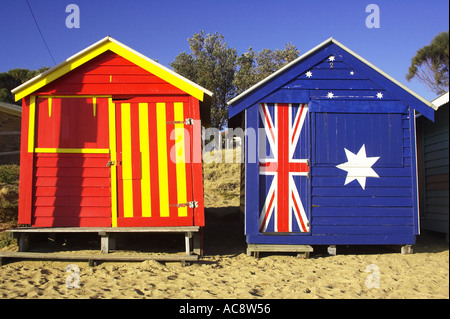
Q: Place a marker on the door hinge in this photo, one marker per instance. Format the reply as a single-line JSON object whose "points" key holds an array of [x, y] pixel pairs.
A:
{"points": [[193, 204], [188, 121]]}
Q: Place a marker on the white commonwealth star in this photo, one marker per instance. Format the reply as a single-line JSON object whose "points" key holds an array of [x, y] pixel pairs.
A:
{"points": [[358, 166], [308, 74], [330, 95], [379, 95]]}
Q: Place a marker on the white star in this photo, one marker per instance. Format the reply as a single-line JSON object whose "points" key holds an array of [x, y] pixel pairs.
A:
{"points": [[308, 74], [352, 72], [331, 58], [358, 166], [330, 95], [379, 95]]}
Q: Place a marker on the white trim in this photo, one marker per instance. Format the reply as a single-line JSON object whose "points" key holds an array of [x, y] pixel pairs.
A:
{"points": [[12, 109], [331, 40], [440, 100]]}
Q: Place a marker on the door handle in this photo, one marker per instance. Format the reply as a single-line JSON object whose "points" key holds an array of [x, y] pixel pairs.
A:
{"points": [[110, 163]]}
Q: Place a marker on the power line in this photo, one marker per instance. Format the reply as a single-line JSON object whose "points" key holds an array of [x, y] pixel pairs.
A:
{"points": [[39, 29]]}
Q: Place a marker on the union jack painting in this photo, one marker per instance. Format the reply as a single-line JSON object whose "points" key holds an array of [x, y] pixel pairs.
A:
{"points": [[283, 168]]}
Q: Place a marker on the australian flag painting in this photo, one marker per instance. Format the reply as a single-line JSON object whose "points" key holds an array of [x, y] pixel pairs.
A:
{"points": [[283, 168]]}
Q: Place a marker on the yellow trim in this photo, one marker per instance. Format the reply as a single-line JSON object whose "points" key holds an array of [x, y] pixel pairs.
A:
{"points": [[144, 145], [31, 120], [127, 171], [95, 50], [112, 146], [60, 71], [180, 158], [73, 96], [72, 150], [162, 160], [94, 105], [158, 71], [49, 102]]}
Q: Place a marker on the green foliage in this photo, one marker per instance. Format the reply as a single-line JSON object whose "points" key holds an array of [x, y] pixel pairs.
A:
{"points": [[217, 67], [254, 67], [430, 65], [12, 79], [211, 65], [9, 174]]}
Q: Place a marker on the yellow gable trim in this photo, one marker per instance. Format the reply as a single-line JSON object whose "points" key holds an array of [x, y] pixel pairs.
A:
{"points": [[95, 50]]}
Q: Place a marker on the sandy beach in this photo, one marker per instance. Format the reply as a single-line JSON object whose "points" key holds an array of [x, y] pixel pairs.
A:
{"points": [[225, 271]]}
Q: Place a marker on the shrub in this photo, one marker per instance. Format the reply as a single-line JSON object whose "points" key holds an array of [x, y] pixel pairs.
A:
{"points": [[9, 174]]}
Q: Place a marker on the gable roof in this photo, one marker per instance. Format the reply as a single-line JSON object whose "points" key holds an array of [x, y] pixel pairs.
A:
{"points": [[126, 52], [12, 109], [419, 103]]}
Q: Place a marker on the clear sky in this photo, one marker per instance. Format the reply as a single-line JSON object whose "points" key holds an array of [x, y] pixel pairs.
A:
{"points": [[159, 29]]}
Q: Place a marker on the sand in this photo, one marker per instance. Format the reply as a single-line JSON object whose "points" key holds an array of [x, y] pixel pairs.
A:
{"points": [[225, 271]]}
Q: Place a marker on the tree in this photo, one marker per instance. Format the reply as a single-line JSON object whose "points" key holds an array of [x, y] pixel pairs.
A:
{"points": [[13, 78], [430, 65], [254, 67], [211, 65], [215, 66]]}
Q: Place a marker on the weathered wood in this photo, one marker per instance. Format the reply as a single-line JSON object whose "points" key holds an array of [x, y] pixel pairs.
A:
{"points": [[91, 258], [174, 229], [255, 249]]}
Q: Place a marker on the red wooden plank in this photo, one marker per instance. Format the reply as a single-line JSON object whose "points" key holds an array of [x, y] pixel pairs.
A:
{"points": [[171, 165], [136, 170], [93, 212], [72, 181], [71, 162], [69, 191], [26, 169], [114, 88], [154, 172], [72, 201], [71, 221], [73, 172], [197, 170]]}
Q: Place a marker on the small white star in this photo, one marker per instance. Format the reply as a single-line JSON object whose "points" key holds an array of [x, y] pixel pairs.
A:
{"points": [[308, 74], [330, 95], [352, 72], [358, 166], [331, 58], [379, 95]]}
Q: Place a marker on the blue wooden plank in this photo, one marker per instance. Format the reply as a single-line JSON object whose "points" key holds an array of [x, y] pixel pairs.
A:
{"points": [[381, 171], [362, 201], [273, 84], [287, 96], [252, 174], [332, 74], [374, 239], [361, 95], [327, 84], [357, 211], [359, 192], [380, 133], [362, 221], [370, 182], [361, 230], [340, 106], [385, 82]]}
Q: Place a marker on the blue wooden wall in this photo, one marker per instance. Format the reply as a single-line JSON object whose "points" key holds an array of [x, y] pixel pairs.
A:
{"points": [[350, 105]]}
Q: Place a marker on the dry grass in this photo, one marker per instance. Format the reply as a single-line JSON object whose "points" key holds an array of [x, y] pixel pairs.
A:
{"points": [[222, 180]]}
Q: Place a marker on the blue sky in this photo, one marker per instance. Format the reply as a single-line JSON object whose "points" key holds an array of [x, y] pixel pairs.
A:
{"points": [[159, 29]]}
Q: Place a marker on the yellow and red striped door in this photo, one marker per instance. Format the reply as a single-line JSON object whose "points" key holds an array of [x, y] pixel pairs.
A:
{"points": [[154, 170]]}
